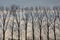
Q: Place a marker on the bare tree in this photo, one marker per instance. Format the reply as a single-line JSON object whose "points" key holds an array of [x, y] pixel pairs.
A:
{"points": [[56, 16], [26, 29], [54, 27], [32, 25], [13, 9], [40, 23], [47, 27], [5, 26], [54, 30], [18, 23], [13, 12]]}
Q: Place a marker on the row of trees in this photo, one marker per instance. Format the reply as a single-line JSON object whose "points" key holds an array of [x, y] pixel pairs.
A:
{"points": [[40, 16], [29, 8]]}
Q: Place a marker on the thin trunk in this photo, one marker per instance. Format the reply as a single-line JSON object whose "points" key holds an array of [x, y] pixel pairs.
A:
{"points": [[3, 27], [26, 29], [32, 26], [54, 30], [4, 19], [47, 29], [18, 23], [40, 30], [47, 26], [18, 31], [33, 29], [3, 34], [54, 27], [47, 32], [12, 29]]}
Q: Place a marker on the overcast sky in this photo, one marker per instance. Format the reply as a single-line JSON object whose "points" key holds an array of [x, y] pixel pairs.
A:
{"points": [[29, 3]]}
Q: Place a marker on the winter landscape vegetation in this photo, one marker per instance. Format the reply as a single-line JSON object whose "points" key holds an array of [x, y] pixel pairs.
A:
{"points": [[29, 23]]}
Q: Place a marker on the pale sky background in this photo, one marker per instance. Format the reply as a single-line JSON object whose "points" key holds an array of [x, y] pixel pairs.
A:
{"points": [[29, 3]]}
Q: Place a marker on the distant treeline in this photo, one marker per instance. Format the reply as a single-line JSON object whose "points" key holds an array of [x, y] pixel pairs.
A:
{"points": [[15, 7]]}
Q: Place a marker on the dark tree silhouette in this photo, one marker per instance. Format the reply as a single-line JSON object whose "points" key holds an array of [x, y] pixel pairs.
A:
{"points": [[54, 27], [4, 27], [54, 30], [26, 27], [47, 27], [47, 23], [56, 16], [13, 9], [40, 23], [32, 26], [18, 23], [13, 12]]}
